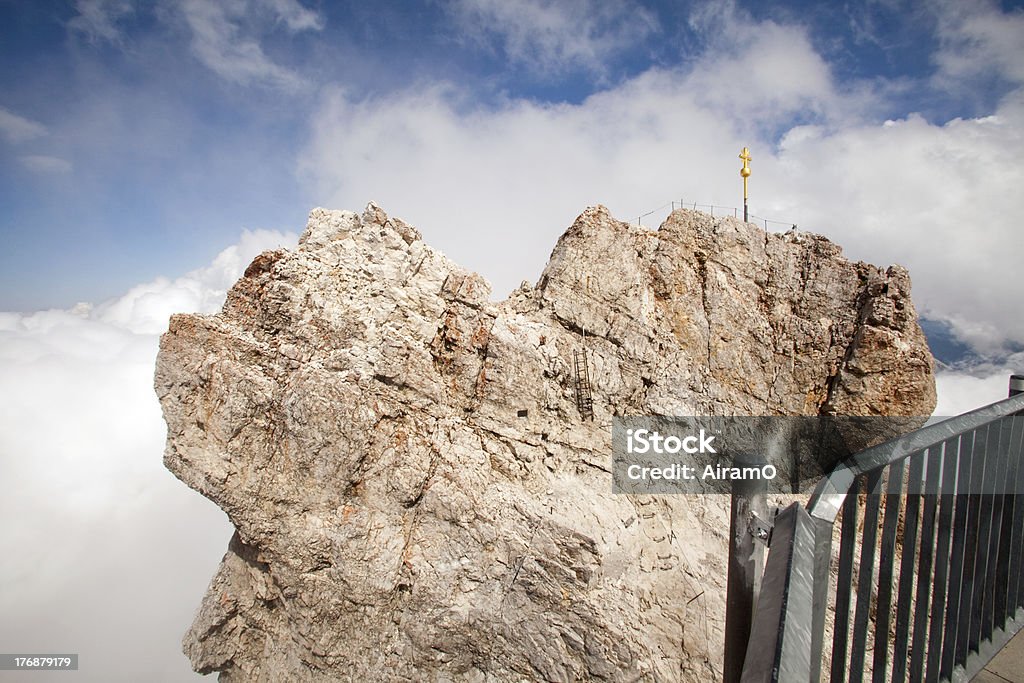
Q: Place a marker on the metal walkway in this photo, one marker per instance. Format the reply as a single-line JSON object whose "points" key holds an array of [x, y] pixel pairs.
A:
{"points": [[1007, 666]]}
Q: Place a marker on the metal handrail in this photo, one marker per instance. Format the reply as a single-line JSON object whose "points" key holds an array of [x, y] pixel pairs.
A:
{"points": [[830, 493], [957, 576]]}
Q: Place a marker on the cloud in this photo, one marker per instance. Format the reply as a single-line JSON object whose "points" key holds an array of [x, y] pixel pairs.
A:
{"points": [[226, 36], [146, 308], [978, 40], [230, 47], [765, 74], [552, 37], [41, 163], [294, 15], [19, 129], [960, 392], [98, 19], [112, 553]]}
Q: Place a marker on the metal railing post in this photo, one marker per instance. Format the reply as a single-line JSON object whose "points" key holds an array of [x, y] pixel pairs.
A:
{"points": [[782, 633], [819, 604], [746, 565]]}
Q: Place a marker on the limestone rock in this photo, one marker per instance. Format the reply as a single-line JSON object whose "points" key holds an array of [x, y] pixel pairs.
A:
{"points": [[415, 493]]}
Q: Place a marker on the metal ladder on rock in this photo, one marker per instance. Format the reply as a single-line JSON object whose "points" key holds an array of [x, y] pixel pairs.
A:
{"points": [[584, 396]]}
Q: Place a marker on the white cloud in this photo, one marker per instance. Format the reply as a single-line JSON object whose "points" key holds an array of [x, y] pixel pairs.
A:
{"points": [[19, 129], [146, 308], [41, 163], [294, 15], [552, 36], [108, 555], [960, 392], [228, 46], [978, 39], [98, 19], [762, 78]]}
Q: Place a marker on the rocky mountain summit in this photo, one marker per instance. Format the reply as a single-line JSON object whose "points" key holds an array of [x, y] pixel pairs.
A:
{"points": [[418, 496]]}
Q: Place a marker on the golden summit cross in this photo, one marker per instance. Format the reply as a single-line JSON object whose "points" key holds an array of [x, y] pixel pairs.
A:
{"points": [[745, 173]]}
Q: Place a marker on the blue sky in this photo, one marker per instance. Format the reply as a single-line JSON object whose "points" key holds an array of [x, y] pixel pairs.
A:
{"points": [[149, 149]]}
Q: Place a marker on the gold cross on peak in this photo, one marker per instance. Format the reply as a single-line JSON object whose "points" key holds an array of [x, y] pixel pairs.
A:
{"points": [[745, 173], [745, 155]]}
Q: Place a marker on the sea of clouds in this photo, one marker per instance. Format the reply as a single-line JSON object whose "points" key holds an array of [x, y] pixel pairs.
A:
{"points": [[110, 554]]}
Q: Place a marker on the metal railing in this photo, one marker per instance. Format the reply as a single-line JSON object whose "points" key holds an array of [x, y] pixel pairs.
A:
{"points": [[930, 567], [711, 208]]}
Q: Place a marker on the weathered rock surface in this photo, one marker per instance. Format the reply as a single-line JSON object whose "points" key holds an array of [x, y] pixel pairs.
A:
{"points": [[415, 493]]}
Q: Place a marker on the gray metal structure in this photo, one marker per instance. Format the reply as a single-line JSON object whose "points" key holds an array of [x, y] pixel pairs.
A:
{"points": [[747, 540], [930, 567]]}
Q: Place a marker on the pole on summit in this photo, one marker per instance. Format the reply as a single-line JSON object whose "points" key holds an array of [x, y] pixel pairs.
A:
{"points": [[745, 173]]}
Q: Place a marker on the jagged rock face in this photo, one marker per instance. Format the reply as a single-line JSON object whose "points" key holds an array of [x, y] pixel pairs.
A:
{"points": [[415, 493]]}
